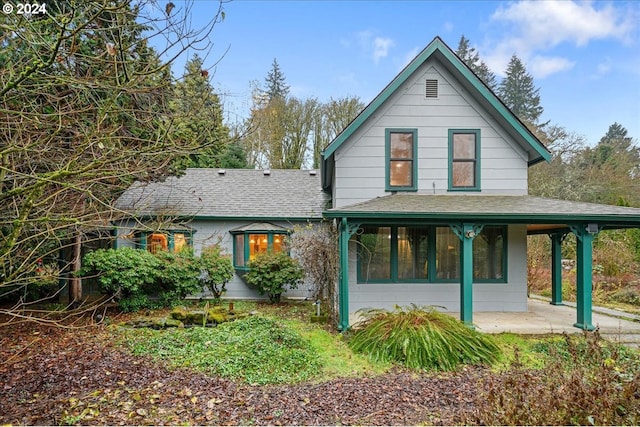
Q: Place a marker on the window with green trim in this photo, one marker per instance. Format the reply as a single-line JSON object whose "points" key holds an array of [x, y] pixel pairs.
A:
{"points": [[247, 245], [401, 151], [464, 159], [428, 254], [173, 241]]}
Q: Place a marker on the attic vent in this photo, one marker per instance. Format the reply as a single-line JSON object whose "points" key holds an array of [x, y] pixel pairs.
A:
{"points": [[431, 88], [313, 173], [221, 172], [266, 172]]}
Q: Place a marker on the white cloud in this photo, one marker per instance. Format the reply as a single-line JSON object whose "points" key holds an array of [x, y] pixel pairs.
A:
{"points": [[539, 26], [548, 23], [542, 66], [376, 46], [381, 48], [408, 57]]}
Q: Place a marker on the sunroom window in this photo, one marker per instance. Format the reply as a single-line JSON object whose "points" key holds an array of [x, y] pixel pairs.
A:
{"points": [[427, 254]]}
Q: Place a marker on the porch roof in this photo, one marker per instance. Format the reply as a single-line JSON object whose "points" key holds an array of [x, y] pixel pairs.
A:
{"points": [[541, 214]]}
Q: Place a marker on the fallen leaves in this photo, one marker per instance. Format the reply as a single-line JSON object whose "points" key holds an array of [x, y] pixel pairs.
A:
{"points": [[82, 377]]}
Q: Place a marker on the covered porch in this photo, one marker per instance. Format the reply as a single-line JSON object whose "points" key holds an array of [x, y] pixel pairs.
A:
{"points": [[467, 215]]}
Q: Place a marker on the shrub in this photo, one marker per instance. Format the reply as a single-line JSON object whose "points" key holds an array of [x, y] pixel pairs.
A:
{"points": [[122, 272], [216, 270], [584, 381], [421, 338], [177, 275], [272, 271]]}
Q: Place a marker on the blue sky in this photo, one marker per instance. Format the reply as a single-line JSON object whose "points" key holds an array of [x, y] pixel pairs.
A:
{"points": [[584, 56]]}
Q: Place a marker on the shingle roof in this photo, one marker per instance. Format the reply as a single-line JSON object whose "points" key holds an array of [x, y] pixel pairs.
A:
{"points": [[511, 209], [230, 193]]}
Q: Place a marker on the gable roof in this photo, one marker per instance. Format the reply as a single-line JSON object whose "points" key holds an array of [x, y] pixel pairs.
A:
{"points": [[438, 49], [229, 194]]}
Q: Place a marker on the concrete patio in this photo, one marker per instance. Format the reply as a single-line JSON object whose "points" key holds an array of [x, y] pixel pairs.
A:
{"points": [[544, 318]]}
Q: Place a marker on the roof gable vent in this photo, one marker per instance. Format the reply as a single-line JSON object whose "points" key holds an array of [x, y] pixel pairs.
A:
{"points": [[431, 88]]}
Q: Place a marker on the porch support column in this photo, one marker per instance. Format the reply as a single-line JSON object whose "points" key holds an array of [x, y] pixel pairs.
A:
{"points": [[556, 267], [466, 233], [584, 281], [346, 231]]}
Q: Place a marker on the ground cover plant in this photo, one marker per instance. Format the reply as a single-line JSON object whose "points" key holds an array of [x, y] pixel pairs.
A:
{"points": [[257, 350], [421, 338], [90, 376]]}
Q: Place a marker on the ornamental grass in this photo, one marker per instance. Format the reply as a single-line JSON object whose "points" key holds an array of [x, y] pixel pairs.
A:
{"points": [[421, 338]]}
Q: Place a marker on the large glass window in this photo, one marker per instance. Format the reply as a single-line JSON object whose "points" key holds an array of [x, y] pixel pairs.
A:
{"points": [[413, 248], [447, 254], [401, 148], [489, 254], [464, 154], [375, 254], [247, 245], [404, 254], [172, 241]]}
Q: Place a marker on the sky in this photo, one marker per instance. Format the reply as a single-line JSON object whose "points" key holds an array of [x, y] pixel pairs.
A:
{"points": [[584, 56]]}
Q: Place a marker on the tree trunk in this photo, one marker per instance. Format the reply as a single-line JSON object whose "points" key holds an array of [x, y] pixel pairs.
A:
{"points": [[75, 284]]}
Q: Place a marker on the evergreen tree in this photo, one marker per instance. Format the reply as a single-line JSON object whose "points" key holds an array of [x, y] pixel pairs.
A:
{"points": [[85, 112], [198, 117], [470, 56], [277, 86], [518, 92]]}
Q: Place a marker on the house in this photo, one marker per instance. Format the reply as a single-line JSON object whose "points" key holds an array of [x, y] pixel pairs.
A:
{"points": [[428, 187], [244, 211]]}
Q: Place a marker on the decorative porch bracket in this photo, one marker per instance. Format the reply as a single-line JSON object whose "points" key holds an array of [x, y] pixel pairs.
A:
{"points": [[584, 281], [346, 231], [556, 267], [466, 233]]}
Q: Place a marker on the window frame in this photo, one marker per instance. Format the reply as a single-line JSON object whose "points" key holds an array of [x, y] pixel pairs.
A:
{"points": [[246, 250], [143, 239], [431, 257], [475, 161], [389, 159]]}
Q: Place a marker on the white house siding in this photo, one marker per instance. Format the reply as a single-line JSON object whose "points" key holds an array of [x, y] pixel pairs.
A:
{"points": [[207, 233], [360, 161], [510, 296]]}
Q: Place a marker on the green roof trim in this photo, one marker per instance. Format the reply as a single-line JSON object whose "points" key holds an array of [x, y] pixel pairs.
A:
{"points": [[439, 46], [499, 209]]}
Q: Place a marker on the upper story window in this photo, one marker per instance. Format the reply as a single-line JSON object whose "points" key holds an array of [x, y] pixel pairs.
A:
{"points": [[464, 159], [253, 239], [401, 153]]}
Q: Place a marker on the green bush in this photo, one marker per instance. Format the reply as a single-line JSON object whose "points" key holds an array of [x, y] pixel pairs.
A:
{"points": [[177, 276], [216, 270], [270, 272], [421, 338], [138, 279], [122, 272]]}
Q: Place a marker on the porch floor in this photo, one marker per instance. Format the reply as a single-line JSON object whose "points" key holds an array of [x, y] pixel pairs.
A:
{"points": [[544, 318]]}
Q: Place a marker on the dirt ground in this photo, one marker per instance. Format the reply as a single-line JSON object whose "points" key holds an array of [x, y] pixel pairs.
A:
{"points": [[52, 376]]}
